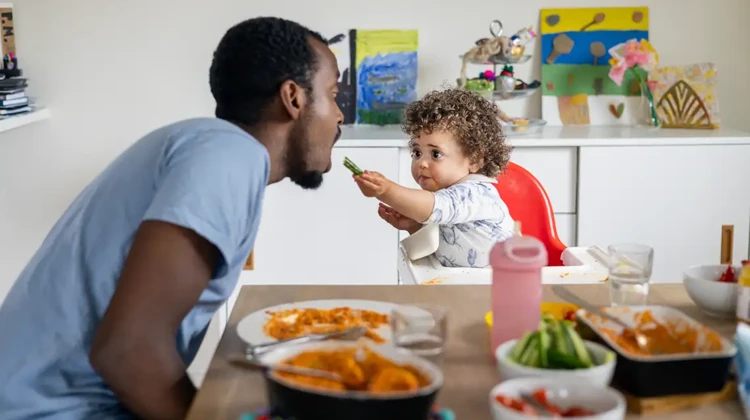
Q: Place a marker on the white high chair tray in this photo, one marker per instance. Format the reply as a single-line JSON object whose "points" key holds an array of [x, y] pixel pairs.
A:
{"points": [[581, 267]]}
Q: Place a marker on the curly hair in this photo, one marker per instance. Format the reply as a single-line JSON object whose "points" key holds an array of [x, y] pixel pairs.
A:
{"points": [[252, 61], [471, 119]]}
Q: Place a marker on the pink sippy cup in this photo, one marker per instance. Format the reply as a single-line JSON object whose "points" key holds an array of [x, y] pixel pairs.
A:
{"points": [[516, 287]]}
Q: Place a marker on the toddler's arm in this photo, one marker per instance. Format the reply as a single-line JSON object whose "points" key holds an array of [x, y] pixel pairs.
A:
{"points": [[466, 202], [412, 203]]}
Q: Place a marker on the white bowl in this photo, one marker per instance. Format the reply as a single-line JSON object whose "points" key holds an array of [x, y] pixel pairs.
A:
{"points": [[599, 376], [607, 403], [713, 297], [422, 243]]}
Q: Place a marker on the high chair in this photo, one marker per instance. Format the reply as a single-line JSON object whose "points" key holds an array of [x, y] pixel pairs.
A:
{"points": [[529, 204]]}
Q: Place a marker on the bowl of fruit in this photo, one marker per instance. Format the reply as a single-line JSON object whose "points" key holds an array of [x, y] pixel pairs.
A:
{"points": [[556, 351], [713, 287]]}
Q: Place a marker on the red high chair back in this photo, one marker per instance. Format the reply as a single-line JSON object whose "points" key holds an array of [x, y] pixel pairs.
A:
{"points": [[529, 204]]}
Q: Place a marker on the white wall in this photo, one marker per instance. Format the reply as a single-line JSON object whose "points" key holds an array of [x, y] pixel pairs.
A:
{"points": [[111, 70]]}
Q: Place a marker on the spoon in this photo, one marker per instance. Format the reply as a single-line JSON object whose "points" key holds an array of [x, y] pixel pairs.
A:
{"points": [[641, 339], [254, 364], [354, 333]]}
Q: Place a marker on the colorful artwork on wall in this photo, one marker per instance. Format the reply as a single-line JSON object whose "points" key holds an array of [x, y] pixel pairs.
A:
{"points": [[685, 96], [386, 63], [378, 73], [576, 88]]}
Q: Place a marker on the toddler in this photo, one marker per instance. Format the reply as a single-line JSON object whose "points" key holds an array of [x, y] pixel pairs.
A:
{"points": [[458, 149]]}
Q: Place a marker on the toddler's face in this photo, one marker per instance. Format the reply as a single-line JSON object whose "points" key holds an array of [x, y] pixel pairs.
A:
{"points": [[437, 161]]}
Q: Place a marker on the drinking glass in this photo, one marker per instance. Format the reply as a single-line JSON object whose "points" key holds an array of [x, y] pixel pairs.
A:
{"points": [[630, 267], [421, 329]]}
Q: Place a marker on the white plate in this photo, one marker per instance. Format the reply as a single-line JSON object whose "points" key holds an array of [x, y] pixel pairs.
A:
{"points": [[250, 328]]}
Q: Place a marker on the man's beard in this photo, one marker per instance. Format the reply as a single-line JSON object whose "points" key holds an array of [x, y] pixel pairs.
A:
{"points": [[308, 180], [298, 171]]}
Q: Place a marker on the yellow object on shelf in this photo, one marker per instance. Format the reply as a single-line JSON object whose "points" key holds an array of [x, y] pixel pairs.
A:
{"points": [[556, 309]]}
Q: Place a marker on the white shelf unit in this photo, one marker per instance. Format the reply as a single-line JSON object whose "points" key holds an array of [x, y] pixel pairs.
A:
{"points": [[10, 123]]}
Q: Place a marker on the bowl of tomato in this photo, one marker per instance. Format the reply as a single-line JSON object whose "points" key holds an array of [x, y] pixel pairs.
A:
{"points": [[545, 399], [713, 287]]}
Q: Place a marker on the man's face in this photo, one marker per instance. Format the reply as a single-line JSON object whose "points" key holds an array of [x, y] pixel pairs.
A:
{"points": [[317, 130]]}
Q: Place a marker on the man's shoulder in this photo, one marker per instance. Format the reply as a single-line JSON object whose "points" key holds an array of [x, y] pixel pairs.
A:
{"points": [[212, 137], [207, 129]]}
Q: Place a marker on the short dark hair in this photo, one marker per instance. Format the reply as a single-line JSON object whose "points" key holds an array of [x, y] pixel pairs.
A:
{"points": [[252, 61], [471, 119]]}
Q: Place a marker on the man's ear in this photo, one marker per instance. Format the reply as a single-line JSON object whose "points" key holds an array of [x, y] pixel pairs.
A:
{"points": [[293, 98]]}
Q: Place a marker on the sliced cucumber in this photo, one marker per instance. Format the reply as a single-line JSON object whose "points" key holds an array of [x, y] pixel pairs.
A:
{"points": [[579, 347], [520, 347]]}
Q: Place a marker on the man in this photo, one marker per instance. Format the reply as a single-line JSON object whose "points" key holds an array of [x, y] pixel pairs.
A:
{"points": [[112, 308]]}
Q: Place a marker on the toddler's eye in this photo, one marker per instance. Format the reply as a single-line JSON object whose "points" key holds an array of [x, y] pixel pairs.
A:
{"points": [[436, 154], [415, 154]]}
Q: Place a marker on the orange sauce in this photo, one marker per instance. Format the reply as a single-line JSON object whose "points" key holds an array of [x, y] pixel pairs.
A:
{"points": [[293, 323], [360, 369], [667, 337]]}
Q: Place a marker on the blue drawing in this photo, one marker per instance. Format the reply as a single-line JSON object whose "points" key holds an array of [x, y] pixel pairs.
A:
{"points": [[386, 83]]}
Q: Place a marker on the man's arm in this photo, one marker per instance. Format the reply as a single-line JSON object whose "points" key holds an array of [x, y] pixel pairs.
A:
{"points": [[208, 190], [134, 348]]}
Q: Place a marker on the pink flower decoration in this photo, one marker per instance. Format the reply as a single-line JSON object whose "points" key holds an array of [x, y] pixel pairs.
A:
{"points": [[489, 75], [636, 57], [617, 72]]}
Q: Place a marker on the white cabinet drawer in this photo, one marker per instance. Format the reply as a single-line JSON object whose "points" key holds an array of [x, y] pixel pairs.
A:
{"points": [[556, 168], [332, 235]]}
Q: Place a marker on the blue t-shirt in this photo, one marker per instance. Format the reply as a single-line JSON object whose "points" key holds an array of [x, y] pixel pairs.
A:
{"points": [[204, 174]]}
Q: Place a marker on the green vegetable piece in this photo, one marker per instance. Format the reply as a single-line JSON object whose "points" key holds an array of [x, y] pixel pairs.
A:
{"points": [[560, 343], [579, 348], [352, 167], [520, 347], [545, 341], [559, 360], [608, 357], [528, 353]]}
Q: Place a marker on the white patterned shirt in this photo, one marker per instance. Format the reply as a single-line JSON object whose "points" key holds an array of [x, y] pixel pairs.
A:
{"points": [[472, 218]]}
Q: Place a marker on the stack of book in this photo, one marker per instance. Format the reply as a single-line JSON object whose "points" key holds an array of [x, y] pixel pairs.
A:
{"points": [[13, 99]]}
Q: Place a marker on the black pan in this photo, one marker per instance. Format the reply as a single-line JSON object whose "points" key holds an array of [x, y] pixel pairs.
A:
{"points": [[292, 400]]}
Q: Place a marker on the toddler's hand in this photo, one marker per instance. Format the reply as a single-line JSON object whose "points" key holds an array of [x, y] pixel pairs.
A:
{"points": [[372, 184], [398, 220]]}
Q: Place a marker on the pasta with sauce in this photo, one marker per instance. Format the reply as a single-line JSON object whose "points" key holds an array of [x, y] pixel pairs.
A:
{"points": [[360, 369]]}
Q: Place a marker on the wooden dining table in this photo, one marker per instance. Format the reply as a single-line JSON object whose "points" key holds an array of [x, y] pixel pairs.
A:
{"points": [[228, 391]]}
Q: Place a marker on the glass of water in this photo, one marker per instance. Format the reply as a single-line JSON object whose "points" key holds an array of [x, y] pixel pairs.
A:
{"points": [[629, 273], [421, 329]]}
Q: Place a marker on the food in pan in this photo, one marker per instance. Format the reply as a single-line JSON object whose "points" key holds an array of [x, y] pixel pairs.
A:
{"points": [[291, 323], [668, 336], [360, 369]]}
